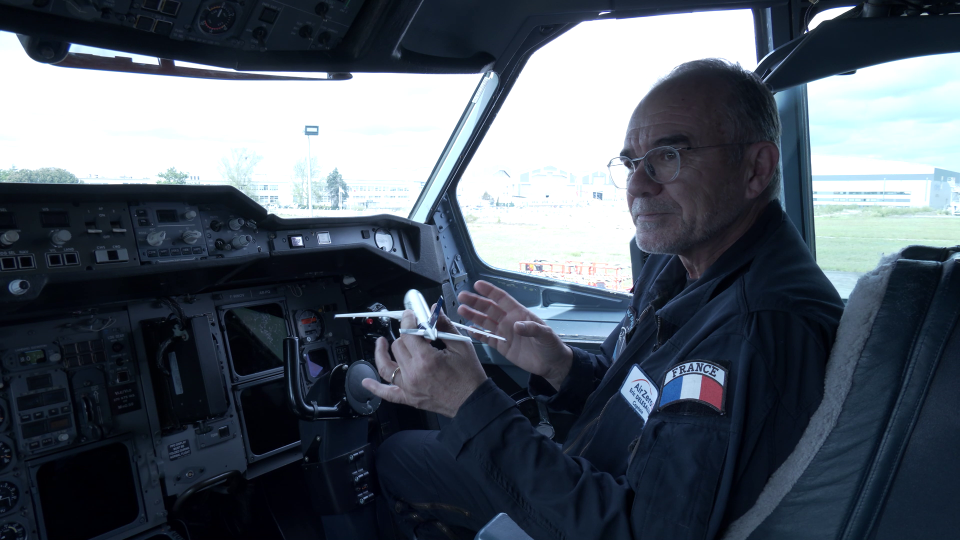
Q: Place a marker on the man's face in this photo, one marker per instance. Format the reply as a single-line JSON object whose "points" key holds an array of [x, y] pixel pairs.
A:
{"points": [[706, 196]]}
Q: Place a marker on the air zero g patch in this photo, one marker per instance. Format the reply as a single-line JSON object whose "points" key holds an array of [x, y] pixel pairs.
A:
{"points": [[697, 381], [639, 392]]}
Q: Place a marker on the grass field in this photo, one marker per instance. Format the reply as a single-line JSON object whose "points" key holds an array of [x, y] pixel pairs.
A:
{"points": [[506, 236], [847, 241], [852, 242]]}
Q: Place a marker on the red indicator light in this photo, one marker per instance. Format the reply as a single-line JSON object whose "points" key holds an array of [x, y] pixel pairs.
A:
{"points": [[369, 321]]}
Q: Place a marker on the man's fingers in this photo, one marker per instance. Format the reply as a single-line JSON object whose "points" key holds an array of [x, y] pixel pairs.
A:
{"points": [[471, 314], [444, 324], [498, 295], [385, 365], [530, 329], [482, 305], [400, 350], [408, 320], [393, 394], [474, 316]]}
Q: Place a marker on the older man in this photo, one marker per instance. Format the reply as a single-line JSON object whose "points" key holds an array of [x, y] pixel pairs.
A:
{"points": [[697, 397]]}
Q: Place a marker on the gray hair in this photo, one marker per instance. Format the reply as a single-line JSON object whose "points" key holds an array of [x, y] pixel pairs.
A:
{"points": [[751, 108]]}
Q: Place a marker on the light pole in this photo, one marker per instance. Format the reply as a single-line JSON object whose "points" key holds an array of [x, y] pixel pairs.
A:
{"points": [[308, 131]]}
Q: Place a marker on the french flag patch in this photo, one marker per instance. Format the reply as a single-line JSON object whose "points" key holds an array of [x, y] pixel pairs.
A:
{"points": [[698, 381]]}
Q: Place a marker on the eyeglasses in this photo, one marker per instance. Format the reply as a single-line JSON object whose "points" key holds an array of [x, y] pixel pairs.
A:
{"points": [[662, 164]]}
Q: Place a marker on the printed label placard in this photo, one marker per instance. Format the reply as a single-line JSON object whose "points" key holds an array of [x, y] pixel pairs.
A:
{"points": [[639, 392]]}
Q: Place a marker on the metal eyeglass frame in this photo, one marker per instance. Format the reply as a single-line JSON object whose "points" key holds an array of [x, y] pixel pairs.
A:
{"points": [[619, 161]]}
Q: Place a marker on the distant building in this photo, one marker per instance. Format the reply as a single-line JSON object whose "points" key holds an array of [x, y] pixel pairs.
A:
{"points": [[552, 186], [598, 186], [917, 190], [272, 191], [381, 194]]}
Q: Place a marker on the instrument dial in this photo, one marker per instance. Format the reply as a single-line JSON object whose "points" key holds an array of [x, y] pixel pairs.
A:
{"points": [[12, 531], [218, 17], [6, 455], [384, 239], [9, 496], [309, 325]]}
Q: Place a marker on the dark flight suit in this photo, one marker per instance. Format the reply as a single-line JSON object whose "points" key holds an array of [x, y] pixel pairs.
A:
{"points": [[728, 370]]}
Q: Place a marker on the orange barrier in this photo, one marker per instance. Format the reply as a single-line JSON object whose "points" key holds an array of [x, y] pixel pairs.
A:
{"points": [[593, 274]]}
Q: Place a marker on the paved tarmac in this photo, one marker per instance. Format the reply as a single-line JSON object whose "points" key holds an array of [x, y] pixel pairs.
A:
{"points": [[843, 281]]}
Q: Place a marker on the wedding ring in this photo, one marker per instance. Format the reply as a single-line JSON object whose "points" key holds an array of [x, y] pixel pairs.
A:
{"points": [[394, 376]]}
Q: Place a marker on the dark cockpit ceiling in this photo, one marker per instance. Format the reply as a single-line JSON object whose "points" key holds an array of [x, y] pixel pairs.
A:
{"points": [[413, 36]]}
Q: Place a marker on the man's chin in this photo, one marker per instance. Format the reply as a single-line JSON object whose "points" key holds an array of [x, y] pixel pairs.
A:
{"points": [[656, 244]]}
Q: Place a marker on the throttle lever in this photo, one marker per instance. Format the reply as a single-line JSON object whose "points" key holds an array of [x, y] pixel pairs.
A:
{"points": [[353, 400], [295, 398]]}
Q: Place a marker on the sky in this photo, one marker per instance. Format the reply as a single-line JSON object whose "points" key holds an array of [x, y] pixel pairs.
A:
{"points": [[119, 124], [568, 109]]}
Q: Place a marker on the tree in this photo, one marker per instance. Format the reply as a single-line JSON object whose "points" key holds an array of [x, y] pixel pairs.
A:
{"points": [[486, 196], [46, 175], [173, 177], [237, 170], [337, 189], [300, 186]]}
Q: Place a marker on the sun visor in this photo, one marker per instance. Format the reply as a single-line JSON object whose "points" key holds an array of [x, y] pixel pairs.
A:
{"points": [[845, 45]]}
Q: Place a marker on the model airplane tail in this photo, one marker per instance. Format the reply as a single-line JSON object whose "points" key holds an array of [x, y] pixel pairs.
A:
{"points": [[435, 316]]}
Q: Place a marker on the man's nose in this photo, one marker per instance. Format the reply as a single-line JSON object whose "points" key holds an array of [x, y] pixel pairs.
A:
{"points": [[641, 185]]}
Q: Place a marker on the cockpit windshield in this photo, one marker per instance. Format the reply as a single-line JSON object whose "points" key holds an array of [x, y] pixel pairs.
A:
{"points": [[372, 141]]}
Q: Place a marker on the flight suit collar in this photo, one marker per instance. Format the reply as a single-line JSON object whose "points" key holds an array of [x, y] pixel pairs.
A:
{"points": [[682, 304]]}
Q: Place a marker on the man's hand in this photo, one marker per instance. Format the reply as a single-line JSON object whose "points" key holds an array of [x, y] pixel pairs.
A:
{"points": [[530, 344], [429, 379]]}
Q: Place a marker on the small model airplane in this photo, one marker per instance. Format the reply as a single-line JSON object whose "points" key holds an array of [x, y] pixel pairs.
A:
{"points": [[426, 321]]}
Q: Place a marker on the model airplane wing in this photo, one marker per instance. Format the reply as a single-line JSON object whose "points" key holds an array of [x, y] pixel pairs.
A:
{"points": [[454, 337], [477, 331], [427, 324], [392, 314], [440, 335], [436, 316]]}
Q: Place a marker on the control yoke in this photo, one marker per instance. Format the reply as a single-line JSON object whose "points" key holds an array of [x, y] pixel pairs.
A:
{"points": [[351, 398]]}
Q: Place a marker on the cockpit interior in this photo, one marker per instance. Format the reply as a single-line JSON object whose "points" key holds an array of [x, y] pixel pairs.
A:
{"points": [[171, 365]]}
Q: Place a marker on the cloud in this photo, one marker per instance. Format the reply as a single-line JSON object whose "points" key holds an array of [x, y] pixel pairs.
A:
{"points": [[905, 111]]}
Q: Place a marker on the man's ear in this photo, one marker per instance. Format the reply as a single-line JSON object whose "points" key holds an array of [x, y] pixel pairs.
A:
{"points": [[761, 160]]}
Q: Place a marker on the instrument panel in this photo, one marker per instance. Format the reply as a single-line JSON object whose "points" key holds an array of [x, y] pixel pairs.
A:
{"points": [[102, 232], [251, 26], [152, 364]]}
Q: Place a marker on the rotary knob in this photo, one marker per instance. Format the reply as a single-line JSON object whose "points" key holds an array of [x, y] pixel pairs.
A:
{"points": [[8, 238], [236, 223], [18, 287], [189, 215], [191, 237], [156, 238], [241, 241], [60, 237]]}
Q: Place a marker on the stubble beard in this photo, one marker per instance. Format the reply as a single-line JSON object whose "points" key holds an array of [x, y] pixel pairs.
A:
{"points": [[669, 239]]}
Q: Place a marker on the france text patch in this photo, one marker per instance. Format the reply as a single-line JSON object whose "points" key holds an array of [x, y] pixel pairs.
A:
{"points": [[699, 381], [639, 392]]}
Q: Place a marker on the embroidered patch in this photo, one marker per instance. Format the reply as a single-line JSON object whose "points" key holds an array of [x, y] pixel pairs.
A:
{"points": [[699, 381], [639, 392]]}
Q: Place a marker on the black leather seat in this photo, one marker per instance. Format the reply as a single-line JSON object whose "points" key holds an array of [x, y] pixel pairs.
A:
{"points": [[880, 457]]}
